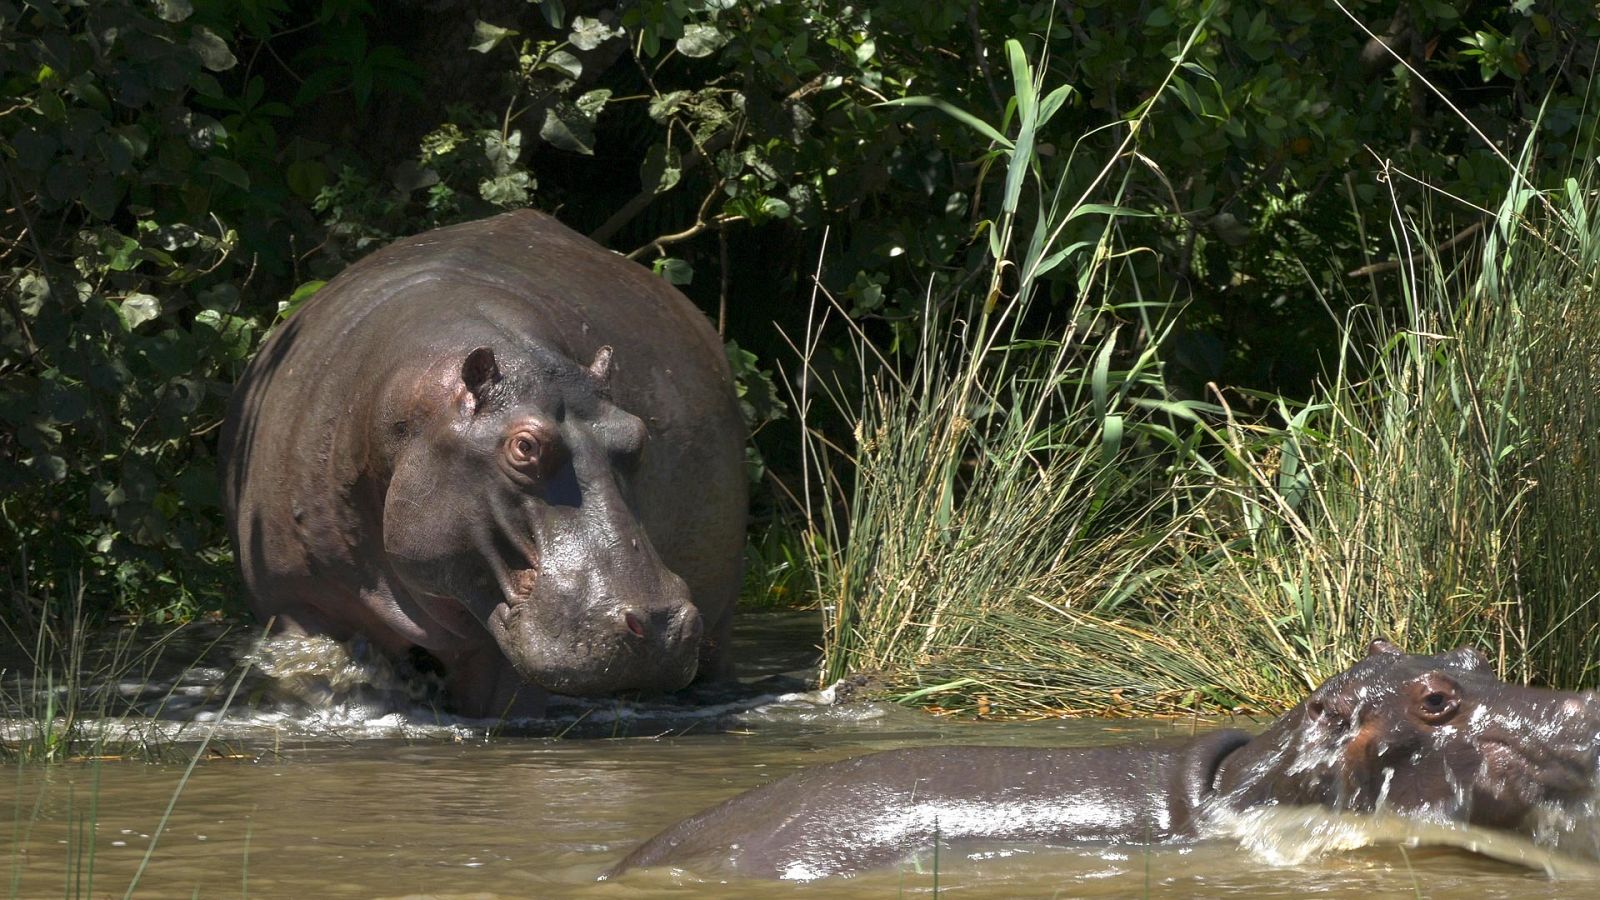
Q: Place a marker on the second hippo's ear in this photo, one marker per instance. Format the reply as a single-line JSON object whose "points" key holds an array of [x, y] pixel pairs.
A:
{"points": [[479, 373], [1382, 645], [601, 367]]}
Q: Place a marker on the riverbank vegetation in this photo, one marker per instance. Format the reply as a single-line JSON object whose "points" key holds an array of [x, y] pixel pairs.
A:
{"points": [[1437, 489], [1037, 528], [1094, 362]]}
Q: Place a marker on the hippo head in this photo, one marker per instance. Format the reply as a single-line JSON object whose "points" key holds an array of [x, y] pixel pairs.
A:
{"points": [[1439, 736], [508, 508]]}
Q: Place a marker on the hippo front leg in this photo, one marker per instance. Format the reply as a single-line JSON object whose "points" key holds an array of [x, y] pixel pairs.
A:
{"points": [[486, 686], [716, 663]]}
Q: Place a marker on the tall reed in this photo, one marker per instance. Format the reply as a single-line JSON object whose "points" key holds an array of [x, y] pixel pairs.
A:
{"points": [[986, 475], [1439, 489]]}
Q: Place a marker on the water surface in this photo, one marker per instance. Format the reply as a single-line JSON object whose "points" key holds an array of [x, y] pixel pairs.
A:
{"points": [[369, 801]]}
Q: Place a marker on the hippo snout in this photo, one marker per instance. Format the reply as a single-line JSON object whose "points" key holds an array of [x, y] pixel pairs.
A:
{"points": [[672, 625], [598, 638], [1584, 705]]}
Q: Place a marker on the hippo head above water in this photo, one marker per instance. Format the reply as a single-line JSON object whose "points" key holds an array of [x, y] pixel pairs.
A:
{"points": [[1437, 736], [514, 508], [1432, 736]]}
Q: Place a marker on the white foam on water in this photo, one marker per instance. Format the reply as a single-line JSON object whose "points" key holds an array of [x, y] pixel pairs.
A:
{"points": [[1292, 835], [317, 689]]}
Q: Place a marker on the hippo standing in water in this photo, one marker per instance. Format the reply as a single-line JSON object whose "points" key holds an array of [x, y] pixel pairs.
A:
{"points": [[503, 447], [1432, 736]]}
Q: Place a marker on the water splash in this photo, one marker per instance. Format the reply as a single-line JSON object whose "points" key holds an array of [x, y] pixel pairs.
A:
{"points": [[1292, 836]]}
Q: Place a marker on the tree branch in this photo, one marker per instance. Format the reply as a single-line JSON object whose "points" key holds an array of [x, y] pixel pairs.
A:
{"points": [[1390, 265]]}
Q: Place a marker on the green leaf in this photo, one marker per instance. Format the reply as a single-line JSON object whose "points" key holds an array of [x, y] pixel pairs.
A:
{"points": [[954, 112], [212, 50], [775, 208], [173, 10], [1099, 379], [306, 177], [138, 309], [554, 12], [49, 467], [1110, 440], [486, 37], [50, 106], [566, 127], [502, 151], [47, 11], [228, 171], [588, 33], [105, 189], [700, 40], [1022, 79], [865, 51], [1052, 103], [674, 270], [592, 102], [663, 106], [300, 295], [1102, 209], [563, 62], [661, 169], [121, 252], [1056, 258], [510, 190]]}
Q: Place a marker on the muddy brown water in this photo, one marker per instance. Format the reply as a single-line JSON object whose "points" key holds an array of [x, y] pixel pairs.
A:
{"points": [[374, 802]]}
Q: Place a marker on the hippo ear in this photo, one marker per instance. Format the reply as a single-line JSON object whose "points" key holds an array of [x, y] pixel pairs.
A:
{"points": [[1468, 657], [601, 367], [479, 372], [1382, 645]]}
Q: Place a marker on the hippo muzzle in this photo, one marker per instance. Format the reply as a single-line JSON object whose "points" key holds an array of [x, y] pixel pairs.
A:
{"points": [[1537, 750], [601, 644]]}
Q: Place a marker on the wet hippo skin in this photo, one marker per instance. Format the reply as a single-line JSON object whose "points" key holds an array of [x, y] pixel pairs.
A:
{"points": [[503, 447], [1435, 736]]}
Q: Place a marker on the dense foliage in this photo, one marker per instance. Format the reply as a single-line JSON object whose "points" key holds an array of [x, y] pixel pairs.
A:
{"points": [[178, 173]]}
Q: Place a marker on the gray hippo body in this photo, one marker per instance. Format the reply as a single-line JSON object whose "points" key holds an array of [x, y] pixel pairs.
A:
{"points": [[503, 445], [1436, 736]]}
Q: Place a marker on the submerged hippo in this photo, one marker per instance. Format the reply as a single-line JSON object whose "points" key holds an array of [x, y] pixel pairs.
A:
{"points": [[1435, 736], [501, 449]]}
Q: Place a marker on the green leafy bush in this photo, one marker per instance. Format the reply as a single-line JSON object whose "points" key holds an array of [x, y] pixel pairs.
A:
{"points": [[179, 173]]}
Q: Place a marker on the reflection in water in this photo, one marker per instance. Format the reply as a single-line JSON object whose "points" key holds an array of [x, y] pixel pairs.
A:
{"points": [[322, 808]]}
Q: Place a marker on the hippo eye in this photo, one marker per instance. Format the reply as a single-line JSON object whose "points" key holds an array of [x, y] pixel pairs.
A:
{"points": [[1437, 699], [529, 454]]}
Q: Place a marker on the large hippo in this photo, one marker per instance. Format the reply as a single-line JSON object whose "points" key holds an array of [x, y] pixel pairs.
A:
{"points": [[1435, 736], [500, 449]]}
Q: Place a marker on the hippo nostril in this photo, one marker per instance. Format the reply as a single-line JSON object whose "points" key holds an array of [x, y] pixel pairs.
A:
{"points": [[633, 623]]}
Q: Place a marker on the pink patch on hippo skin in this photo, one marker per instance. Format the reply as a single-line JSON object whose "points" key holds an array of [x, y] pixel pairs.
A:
{"points": [[633, 623], [523, 581]]}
